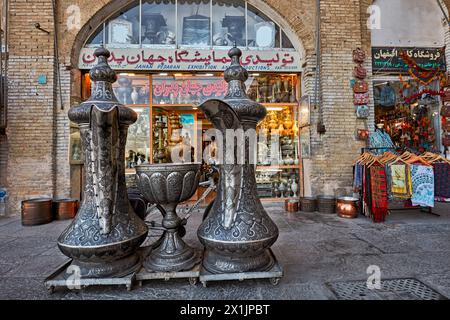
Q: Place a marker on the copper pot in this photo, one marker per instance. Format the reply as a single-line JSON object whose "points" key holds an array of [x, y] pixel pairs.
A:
{"points": [[291, 205], [64, 209], [36, 211], [347, 207]]}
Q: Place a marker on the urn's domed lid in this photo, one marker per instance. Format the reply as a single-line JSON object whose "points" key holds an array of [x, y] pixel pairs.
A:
{"points": [[102, 93], [235, 71], [102, 71], [236, 75]]}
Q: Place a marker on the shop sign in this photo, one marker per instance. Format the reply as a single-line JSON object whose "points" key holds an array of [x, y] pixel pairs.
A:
{"points": [[207, 88], [388, 58], [193, 60]]}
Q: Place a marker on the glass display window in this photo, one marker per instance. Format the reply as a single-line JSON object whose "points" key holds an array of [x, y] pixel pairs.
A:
{"points": [[132, 89], [137, 149], [124, 28], [170, 125], [262, 32], [194, 18], [158, 23], [228, 24]]}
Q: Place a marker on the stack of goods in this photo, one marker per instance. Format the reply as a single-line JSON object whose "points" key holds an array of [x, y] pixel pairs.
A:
{"points": [[445, 113], [407, 178]]}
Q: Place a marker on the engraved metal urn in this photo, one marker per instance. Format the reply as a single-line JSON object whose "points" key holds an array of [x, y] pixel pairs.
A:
{"points": [[167, 185], [237, 233], [103, 238]]}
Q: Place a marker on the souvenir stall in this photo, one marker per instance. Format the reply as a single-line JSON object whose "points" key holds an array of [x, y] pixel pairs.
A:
{"points": [[393, 181], [408, 107]]}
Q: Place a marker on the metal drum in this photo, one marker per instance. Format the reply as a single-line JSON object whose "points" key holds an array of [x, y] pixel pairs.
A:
{"points": [[36, 211], [64, 209], [308, 204], [326, 204]]}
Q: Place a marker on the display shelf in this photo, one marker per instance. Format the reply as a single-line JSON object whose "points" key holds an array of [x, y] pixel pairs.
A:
{"points": [[278, 199], [295, 166], [280, 104]]}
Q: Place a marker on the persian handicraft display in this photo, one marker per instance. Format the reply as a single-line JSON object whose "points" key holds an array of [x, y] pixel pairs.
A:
{"points": [[106, 233], [360, 86]]}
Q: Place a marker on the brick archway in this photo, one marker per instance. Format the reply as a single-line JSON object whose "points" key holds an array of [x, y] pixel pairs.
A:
{"points": [[296, 17]]}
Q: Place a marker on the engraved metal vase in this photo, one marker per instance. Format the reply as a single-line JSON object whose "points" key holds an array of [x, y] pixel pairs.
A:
{"points": [[167, 185], [103, 238], [237, 233]]}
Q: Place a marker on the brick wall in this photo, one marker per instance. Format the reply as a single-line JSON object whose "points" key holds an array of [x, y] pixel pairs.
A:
{"points": [[31, 131], [331, 164], [34, 156]]}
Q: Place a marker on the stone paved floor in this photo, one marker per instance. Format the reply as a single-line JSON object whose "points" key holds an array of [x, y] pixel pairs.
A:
{"points": [[313, 248]]}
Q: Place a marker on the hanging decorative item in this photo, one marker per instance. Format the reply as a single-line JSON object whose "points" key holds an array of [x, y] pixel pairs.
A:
{"points": [[106, 233], [362, 134], [359, 56], [424, 76], [387, 96], [360, 72], [361, 98], [360, 86], [362, 111], [237, 232]]}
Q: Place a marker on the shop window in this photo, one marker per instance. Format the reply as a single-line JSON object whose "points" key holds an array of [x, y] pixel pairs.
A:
{"points": [[131, 89], [137, 150], [194, 22], [190, 23], [409, 113], [97, 39], [262, 31], [228, 22], [158, 23], [123, 29]]}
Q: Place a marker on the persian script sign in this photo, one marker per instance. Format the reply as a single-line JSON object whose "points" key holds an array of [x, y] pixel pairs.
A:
{"points": [[388, 58], [193, 60]]}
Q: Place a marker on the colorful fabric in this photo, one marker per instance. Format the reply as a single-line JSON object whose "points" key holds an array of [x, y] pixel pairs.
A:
{"points": [[399, 184], [422, 178], [441, 180], [378, 186], [358, 177], [382, 140]]}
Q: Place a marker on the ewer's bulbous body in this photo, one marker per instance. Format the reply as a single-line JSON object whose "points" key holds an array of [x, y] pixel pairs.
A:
{"points": [[237, 232], [103, 238]]}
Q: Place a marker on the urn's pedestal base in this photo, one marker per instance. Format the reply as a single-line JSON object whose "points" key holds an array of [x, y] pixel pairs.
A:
{"points": [[219, 263], [172, 255]]}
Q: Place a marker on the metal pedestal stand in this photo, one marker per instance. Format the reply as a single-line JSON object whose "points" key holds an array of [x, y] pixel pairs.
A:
{"points": [[192, 274], [274, 274], [57, 280]]}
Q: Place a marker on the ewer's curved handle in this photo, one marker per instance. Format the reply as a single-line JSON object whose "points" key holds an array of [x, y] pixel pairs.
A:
{"points": [[104, 166], [224, 118]]}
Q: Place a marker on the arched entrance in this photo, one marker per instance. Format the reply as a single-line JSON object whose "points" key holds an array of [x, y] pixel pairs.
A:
{"points": [[170, 55]]}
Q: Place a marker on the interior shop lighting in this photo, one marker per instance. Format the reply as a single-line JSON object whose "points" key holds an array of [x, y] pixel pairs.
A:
{"points": [[164, 74], [274, 108]]}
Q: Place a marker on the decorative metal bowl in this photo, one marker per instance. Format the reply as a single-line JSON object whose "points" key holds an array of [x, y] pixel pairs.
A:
{"points": [[167, 185]]}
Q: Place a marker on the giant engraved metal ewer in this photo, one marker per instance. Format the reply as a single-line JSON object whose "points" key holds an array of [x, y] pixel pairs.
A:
{"points": [[237, 233], [104, 236]]}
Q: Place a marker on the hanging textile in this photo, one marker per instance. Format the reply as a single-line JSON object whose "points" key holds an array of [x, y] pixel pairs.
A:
{"points": [[442, 180], [400, 182], [358, 177], [382, 140], [379, 197], [422, 178]]}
